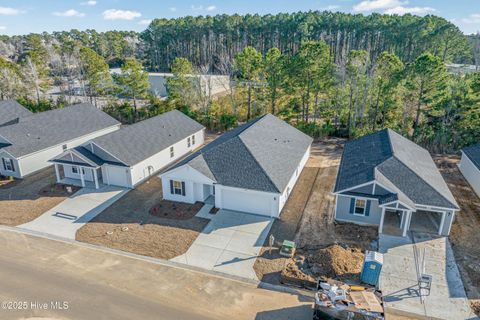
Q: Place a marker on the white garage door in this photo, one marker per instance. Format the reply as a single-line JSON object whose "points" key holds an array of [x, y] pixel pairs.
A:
{"points": [[247, 202], [118, 176]]}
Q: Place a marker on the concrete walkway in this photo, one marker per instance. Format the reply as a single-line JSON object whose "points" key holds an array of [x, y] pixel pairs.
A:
{"points": [[70, 215], [398, 280], [230, 243]]}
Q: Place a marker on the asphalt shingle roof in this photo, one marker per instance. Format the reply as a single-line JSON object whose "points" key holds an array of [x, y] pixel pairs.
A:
{"points": [[11, 110], [260, 155], [396, 162], [78, 156], [473, 153], [135, 143], [46, 129]]}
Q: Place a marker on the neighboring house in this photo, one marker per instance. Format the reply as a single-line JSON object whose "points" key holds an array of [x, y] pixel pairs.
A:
{"points": [[470, 166], [207, 84], [11, 111], [385, 179], [252, 168], [28, 144], [132, 154]]}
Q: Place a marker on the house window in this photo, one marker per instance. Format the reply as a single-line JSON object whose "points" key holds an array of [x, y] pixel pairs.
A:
{"points": [[188, 142], [64, 147], [177, 187], [8, 164], [360, 206], [75, 170], [193, 140], [172, 152]]}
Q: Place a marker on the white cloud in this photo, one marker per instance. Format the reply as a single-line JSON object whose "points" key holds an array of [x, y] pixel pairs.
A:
{"points": [[3, 28], [472, 19], [9, 11], [372, 5], [202, 8], [115, 14], [145, 22], [90, 3], [69, 13], [331, 7], [173, 9], [400, 10]]}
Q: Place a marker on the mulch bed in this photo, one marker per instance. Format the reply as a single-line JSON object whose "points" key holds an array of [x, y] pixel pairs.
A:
{"points": [[175, 210], [58, 190], [7, 182]]}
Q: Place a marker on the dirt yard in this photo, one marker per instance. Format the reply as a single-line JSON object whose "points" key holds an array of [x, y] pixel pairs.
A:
{"points": [[131, 224], [465, 235], [308, 218], [24, 200]]}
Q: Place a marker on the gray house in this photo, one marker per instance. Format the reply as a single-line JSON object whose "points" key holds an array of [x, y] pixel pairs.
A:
{"points": [[388, 181], [470, 166]]}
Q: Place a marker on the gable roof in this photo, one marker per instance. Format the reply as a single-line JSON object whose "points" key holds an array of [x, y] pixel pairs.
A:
{"points": [[137, 142], [402, 166], [50, 128], [78, 156], [260, 155], [473, 153], [11, 111]]}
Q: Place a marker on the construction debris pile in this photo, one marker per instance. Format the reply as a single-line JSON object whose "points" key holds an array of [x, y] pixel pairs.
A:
{"points": [[341, 301], [333, 262]]}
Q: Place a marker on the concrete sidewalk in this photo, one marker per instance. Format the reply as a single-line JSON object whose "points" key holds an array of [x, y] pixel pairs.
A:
{"points": [[230, 243], [70, 215], [398, 280]]}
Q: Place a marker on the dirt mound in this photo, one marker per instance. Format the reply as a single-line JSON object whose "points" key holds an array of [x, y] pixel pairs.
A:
{"points": [[475, 306], [333, 262], [336, 262]]}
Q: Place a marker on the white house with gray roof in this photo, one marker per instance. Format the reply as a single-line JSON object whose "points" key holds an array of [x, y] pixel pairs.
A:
{"points": [[252, 168], [470, 166], [388, 181], [132, 154], [28, 141]]}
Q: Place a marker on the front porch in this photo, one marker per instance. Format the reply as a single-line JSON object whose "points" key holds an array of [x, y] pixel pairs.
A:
{"points": [[78, 183], [397, 220], [82, 176]]}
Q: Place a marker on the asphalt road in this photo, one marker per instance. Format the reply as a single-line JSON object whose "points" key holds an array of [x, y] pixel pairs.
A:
{"points": [[56, 280]]}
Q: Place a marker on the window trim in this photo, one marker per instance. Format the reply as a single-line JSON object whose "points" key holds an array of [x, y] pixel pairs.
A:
{"points": [[356, 206], [178, 188], [9, 166]]}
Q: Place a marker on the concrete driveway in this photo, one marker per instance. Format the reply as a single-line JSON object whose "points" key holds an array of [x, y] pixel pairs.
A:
{"points": [[230, 243], [70, 215], [398, 279]]}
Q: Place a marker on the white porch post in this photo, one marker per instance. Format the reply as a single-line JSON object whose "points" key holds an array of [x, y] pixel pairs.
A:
{"points": [[95, 177], [406, 226], [442, 222], [82, 178], [382, 219], [57, 173], [402, 221]]}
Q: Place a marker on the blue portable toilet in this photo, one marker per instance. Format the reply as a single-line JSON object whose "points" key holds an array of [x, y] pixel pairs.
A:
{"points": [[372, 266]]}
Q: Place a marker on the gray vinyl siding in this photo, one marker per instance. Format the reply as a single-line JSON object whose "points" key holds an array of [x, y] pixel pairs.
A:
{"points": [[343, 212]]}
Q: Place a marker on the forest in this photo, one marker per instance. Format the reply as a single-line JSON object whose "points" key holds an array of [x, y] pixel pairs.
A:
{"points": [[330, 74]]}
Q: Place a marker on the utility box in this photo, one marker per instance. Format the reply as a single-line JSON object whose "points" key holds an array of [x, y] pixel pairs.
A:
{"points": [[372, 266]]}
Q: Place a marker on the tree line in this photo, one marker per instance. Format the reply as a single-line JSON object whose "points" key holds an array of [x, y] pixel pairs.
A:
{"points": [[211, 42]]}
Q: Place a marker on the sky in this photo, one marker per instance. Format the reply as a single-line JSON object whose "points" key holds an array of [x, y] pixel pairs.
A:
{"points": [[26, 16]]}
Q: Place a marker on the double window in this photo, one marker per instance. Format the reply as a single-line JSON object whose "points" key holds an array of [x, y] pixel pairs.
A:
{"points": [[8, 164], [360, 207], [177, 187], [188, 142], [75, 170], [193, 140], [172, 152]]}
